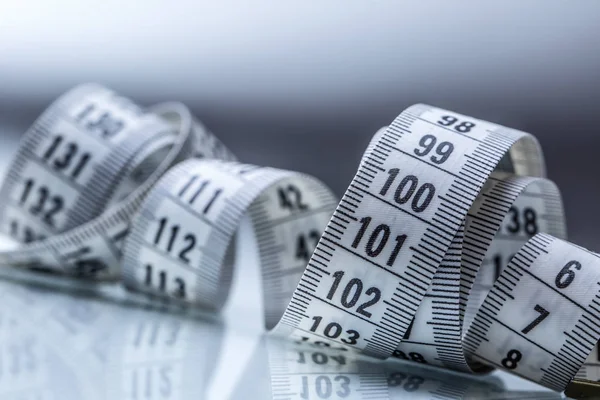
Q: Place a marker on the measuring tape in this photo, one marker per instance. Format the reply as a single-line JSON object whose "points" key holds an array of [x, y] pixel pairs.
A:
{"points": [[446, 249], [81, 172]]}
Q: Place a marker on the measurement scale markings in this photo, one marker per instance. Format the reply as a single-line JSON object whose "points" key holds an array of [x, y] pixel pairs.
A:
{"points": [[490, 150], [405, 211], [480, 231], [585, 310], [34, 221], [435, 265], [319, 261], [556, 356], [590, 343], [448, 213], [358, 255], [190, 182], [485, 224], [590, 327], [485, 230], [344, 213], [339, 308], [195, 213], [420, 159], [358, 180], [401, 124], [495, 212], [431, 249], [375, 154], [338, 211], [176, 260], [363, 170], [341, 232], [373, 159], [65, 179], [419, 280], [65, 117], [481, 162], [450, 130], [308, 276], [274, 222], [470, 178], [374, 166], [426, 244], [297, 312], [447, 346], [462, 206], [349, 203], [317, 268], [474, 245], [326, 245]]}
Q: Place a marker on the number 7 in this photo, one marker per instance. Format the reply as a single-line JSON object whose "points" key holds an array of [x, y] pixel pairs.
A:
{"points": [[542, 316]]}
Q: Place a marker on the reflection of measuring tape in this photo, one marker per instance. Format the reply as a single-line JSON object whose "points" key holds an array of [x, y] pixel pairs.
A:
{"points": [[299, 371], [112, 352], [397, 270]]}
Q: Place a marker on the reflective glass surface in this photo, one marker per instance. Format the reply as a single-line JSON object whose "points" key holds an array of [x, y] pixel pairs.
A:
{"points": [[64, 339]]}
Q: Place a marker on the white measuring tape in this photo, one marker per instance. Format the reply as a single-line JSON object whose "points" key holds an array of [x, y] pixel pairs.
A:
{"points": [[440, 204], [81, 172]]}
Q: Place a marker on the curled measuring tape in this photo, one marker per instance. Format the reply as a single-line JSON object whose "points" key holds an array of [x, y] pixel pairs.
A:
{"points": [[81, 172], [439, 205]]}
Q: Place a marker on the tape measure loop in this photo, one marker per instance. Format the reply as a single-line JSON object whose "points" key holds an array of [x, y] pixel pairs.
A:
{"points": [[81, 173], [181, 239], [446, 249]]}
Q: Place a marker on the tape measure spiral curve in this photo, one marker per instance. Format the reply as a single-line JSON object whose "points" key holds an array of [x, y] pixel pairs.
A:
{"points": [[101, 154], [439, 201]]}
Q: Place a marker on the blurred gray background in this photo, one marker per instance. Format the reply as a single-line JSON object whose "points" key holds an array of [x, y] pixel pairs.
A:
{"points": [[303, 85]]}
